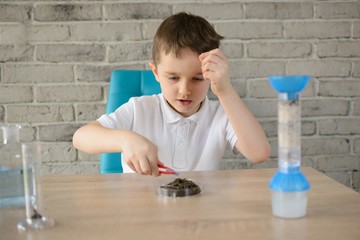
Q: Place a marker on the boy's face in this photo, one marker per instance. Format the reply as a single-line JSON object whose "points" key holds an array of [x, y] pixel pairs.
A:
{"points": [[181, 81]]}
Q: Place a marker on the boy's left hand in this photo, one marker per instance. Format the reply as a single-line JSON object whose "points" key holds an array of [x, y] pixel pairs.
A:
{"points": [[215, 68]]}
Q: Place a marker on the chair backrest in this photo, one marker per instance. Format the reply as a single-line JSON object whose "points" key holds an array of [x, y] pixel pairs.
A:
{"points": [[125, 84]]}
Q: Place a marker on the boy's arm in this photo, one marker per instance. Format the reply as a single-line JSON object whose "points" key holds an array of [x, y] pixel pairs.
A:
{"points": [[139, 153], [252, 142]]}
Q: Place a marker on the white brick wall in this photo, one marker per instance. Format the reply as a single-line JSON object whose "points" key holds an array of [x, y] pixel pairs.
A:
{"points": [[56, 58]]}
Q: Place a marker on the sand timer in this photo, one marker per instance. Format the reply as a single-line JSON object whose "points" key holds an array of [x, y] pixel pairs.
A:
{"points": [[289, 186]]}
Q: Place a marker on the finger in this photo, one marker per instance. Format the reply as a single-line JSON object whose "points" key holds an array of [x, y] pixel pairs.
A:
{"points": [[210, 66], [153, 162], [215, 52], [131, 165], [154, 167], [145, 167]]}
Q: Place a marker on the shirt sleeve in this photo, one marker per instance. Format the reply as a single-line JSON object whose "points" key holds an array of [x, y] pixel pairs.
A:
{"points": [[121, 118], [231, 138]]}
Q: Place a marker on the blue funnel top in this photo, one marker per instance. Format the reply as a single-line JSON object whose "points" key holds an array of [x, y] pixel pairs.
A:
{"points": [[289, 84]]}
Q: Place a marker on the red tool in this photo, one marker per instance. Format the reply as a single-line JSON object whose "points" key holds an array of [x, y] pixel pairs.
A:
{"points": [[166, 170]]}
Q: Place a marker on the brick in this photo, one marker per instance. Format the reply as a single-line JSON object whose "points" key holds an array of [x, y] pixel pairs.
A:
{"points": [[356, 107], [320, 30], [356, 180], [245, 69], [40, 113], [340, 177], [213, 10], [240, 87], [324, 107], [262, 108], [69, 93], [13, 34], [58, 152], [308, 128], [249, 30], [16, 94], [308, 161], [2, 114], [68, 12], [27, 133], [230, 155], [30, 73], [123, 31], [125, 11], [57, 132], [33, 33], [339, 88], [71, 53], [232, 49], [96, 73], [126, 52], [86, 157], [48, 33], [267, 164], [356, 29], [357, 146], [278, 49], [338, 10], [73, 168], [348, 126], [274, 147], [281, 10], [16, 53], [339, 49], [270, 127], [232, 164], [262, 89], [149, 29], [356, 71], [324, 146], [14, 12], [89, 112], [320, 68]]}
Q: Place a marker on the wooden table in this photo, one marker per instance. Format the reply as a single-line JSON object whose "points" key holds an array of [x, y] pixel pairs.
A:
{"points": [[233, 205]]}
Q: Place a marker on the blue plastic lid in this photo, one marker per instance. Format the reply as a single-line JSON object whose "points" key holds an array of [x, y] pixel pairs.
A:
{"points": [[289, 84], [289, 182]]}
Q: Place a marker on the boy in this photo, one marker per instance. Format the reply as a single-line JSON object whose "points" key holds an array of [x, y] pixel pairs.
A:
{"points": [[180, 127]]}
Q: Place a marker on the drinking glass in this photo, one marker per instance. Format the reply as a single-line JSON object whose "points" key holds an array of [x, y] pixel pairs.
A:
{"points": [[34, 220], [11, 178]]}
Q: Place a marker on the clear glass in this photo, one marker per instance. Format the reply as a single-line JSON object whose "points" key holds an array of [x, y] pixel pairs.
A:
{"points": [[34, 220], [11, 173], [289, 132]]}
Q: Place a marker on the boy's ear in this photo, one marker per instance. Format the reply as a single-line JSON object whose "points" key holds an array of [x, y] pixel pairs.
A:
{"points": [[154, 70]]}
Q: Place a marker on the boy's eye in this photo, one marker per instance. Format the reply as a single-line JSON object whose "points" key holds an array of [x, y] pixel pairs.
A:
{"points": [[198, 78], [173, 78]]}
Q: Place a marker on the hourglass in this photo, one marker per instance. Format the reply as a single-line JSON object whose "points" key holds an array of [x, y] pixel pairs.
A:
{"points": [[289, 186]]}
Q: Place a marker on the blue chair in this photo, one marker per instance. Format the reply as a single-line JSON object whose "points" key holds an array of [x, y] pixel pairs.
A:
{"points": [[125, 84]]}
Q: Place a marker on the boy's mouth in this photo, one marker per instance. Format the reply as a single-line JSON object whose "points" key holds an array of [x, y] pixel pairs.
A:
{"points": [[184, 102]]}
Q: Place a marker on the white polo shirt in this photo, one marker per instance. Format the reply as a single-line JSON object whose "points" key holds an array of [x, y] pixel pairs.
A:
{"points": [[194, 143]]}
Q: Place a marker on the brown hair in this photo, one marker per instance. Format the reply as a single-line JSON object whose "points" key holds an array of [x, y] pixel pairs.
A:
{"points": [[184, 30]]}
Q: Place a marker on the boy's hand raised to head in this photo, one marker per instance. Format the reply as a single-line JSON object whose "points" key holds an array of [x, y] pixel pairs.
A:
{"points": [[215, 68]]}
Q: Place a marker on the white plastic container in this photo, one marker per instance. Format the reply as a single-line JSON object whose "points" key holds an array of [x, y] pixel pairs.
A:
{"points": [[289, 204]]}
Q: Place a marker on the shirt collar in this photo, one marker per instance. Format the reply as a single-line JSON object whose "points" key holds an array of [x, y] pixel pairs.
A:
{"points": [[172, 116]]}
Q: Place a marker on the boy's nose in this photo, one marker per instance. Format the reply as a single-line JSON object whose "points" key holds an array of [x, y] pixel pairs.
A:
{"points": [[185, 88]]}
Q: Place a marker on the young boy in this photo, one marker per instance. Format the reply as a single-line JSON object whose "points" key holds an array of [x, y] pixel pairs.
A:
{"points": [[180, 127]]}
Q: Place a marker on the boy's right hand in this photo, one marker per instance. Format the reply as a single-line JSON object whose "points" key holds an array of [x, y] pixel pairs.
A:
{"points": [[141, 155]]}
